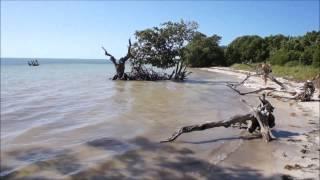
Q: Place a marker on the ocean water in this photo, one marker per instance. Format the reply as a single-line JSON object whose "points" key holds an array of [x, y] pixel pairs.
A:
{"points": [[66, 117]]}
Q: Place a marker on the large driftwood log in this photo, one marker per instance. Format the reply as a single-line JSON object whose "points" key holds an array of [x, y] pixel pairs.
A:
{"points": [[263, 70], [307, 93], [260, 118]]}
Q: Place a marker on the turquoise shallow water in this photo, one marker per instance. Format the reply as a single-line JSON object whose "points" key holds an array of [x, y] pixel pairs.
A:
{"points": [[72, 106]]}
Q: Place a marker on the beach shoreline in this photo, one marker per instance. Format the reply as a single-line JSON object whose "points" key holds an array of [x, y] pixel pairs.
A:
{"points": [[118, 135], [295, 153]]}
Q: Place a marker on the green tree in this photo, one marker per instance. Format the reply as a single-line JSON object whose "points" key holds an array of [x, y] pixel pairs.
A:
{"points": [[204, 51], [280, 57], [274, 43], [162, 46], [279, 49], [307, 55], [316, 57], [247, 49]]}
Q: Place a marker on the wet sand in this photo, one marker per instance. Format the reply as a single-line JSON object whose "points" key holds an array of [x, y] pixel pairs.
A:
{"points": [[125, 143]]}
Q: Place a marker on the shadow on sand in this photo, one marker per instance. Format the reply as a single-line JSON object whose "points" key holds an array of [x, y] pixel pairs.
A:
{"points": [[149, 160], [284, 134]]}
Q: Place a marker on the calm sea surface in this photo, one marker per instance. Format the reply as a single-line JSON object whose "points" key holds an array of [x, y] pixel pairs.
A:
{"points": [[70, 111]]}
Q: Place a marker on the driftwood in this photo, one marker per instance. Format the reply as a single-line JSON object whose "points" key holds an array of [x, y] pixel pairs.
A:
{"points": [[276, 81], [264, 69], [265, 77], [245, 79], [260, 118], [250, 92], [307, 93]]}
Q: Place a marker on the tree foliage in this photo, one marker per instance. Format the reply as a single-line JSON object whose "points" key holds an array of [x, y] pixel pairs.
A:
{"points": [[246, 49], [204, 51], [278, 49], [177, 45], [162, 46]]}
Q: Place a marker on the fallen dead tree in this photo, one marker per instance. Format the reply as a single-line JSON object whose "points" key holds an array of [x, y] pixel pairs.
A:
{"points": [[261, 118], [264, 70], [306, 94], [265, 77]]}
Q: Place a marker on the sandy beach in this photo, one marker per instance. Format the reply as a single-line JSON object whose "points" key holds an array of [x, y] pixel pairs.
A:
{"points": [[113, 90], [296, 150]]}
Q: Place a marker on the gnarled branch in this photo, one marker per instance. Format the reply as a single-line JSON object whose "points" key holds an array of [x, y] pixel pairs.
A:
{"points": [[200, 127], [129, 55], [250, 92], [112, 58]]}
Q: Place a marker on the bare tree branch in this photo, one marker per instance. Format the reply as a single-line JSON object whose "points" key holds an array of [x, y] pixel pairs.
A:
{"points": [[276, 81], [129, 55], [247, 77], [250, 92], [113, 60]]}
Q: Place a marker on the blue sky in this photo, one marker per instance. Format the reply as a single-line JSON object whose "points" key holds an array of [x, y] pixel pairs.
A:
{"points": [[77, 29]]}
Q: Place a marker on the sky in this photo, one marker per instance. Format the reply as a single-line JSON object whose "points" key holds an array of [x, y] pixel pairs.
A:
{"points": [[78, 29]]}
